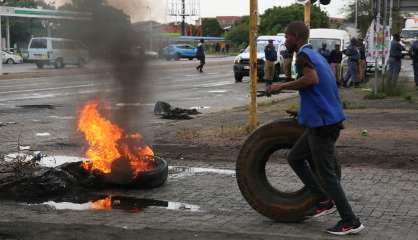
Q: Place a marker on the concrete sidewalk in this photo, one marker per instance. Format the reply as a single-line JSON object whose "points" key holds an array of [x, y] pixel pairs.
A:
{"points": [[385, 200]]}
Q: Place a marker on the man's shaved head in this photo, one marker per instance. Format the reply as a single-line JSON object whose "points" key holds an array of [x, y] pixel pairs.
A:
{"points": [[297, 34], [299, 30]]}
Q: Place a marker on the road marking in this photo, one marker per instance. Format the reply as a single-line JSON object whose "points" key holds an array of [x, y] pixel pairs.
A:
{"points": [[215, 84], [48, 89], [218, 91]]}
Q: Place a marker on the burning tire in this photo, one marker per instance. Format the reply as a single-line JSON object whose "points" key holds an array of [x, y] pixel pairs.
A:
{"points": [[252, 179]]}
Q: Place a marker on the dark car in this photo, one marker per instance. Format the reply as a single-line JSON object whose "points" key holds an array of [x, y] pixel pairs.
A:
{"points": [[178, 51]]}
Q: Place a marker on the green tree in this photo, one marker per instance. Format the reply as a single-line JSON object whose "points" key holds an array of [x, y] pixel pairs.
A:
{"points": [[239, 33], [274, 20], [211, 27], [365, 15]]}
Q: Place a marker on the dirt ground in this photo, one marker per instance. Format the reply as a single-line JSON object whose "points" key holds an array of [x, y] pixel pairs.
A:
{"points": [[380, 133]]}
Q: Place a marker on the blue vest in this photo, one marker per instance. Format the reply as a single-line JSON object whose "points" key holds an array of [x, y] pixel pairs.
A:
{"points": [[319, 104]]}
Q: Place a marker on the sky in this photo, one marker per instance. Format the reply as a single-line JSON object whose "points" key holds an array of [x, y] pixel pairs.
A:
{"points": [[156, 9]]}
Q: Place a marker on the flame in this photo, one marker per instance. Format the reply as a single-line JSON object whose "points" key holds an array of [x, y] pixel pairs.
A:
{"points": [[109, 143], [102, 203]]}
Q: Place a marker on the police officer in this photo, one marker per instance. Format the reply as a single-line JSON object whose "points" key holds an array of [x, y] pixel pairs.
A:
{"points": [[414, 56], [270, 55], [353, 58], [395, 59]]}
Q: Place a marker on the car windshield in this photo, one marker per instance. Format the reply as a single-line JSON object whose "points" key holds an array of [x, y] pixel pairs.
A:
{"points": [[38, 43], [260, 46], [409, 33], [185, 46], [317, 43]]}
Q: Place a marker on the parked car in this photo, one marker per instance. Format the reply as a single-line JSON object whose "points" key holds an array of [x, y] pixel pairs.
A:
{"points": [[242, 61], [178, 51], [11, 58], [57, 51]]}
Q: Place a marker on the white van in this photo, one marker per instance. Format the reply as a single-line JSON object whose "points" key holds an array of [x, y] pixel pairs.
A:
{"points": [[242, 61], [57, 51], [331, 37]]}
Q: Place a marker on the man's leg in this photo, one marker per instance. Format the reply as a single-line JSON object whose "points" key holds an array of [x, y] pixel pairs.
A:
{"points": [[416, 73], [322, 144], [298, 160]]}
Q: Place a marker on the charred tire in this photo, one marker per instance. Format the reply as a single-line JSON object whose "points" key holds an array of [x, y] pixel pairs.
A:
{"points": [[40, 65], [153, 178], [252, 179], [10, 61]]}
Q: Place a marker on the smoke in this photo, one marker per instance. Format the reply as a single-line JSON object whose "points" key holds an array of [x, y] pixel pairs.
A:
{"points": [[112, 41]]}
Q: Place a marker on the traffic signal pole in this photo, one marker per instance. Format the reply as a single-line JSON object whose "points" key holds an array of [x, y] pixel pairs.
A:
{"points": [[253, 63], [307, 13]]}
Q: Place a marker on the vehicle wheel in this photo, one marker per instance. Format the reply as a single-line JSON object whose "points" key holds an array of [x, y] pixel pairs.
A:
{"points": [[277, 71], [59, 63], [238, 77], [39, 65], [251, 173], [81, 62], [10, 61], [190, 59]]}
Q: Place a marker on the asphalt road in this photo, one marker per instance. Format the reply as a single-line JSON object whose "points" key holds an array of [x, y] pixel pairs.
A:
{"points": [[177, 83]]}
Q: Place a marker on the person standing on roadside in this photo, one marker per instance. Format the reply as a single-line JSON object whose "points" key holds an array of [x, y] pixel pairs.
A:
{"points": [[353, 58], [414, 56], [395, 59], [287, 64], [313, 155], [362, 62], [335, 58], [324, 51], [200, 55], [270, 55]]}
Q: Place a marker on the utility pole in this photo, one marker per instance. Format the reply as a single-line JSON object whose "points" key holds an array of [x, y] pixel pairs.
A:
{"points": [[307, 13], [183, 16], [356, 16], [253, 63]]}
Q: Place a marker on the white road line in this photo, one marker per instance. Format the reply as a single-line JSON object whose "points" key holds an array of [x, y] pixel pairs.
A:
{"points": [[48, 89]]}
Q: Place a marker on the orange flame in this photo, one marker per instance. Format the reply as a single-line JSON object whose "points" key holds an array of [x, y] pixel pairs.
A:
{"points": [[102, 203], [109, 143]]}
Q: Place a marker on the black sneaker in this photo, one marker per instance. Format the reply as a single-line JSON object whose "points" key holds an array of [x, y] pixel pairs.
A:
{"points": [[322, 209], [343, 228]]}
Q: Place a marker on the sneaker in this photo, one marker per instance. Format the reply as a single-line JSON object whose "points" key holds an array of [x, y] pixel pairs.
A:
{"points": [[322, 209], [343, 228]]}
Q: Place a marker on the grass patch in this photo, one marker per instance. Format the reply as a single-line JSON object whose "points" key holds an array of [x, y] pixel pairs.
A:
{"points": [[352, 105], [214, 134]]}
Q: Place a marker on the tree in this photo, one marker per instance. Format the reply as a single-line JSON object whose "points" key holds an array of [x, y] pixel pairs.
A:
{"points": [[365, 15], [274, 20], [211, 27], [239, 32]]}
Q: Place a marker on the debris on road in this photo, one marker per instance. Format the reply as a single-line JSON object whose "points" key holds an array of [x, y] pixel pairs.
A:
{"points": [[165, 110]]}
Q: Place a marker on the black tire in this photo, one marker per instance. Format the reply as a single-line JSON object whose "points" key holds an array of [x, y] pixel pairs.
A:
{"points": [[10, 61], [238, 77], [81, 62], [39, 65], [277, 71], [252, 179], [59, 63], [190, 59]]}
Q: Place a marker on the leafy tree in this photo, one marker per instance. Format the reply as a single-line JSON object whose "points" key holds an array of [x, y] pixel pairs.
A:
{"points": [[365, 15], [274, 20], [239, 33], [211, 27]]}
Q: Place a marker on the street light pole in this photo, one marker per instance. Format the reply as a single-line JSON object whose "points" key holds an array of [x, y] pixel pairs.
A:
{"points": [[356, 16], [307, 13], [253, 63]]}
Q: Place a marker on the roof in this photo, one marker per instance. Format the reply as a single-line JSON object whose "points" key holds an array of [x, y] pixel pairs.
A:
{"points": [[328, 33]]}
